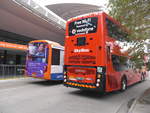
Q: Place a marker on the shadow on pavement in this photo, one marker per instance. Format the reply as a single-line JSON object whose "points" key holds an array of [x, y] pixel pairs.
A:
{"points": [[100, 95], [94, 94], [145, 97], [46, 82]]}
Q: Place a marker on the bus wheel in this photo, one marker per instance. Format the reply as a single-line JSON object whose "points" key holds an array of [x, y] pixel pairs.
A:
{"points": [[123, 84]]}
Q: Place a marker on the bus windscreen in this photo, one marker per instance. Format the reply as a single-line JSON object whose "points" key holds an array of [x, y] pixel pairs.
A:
{"points": [[83, 26]]}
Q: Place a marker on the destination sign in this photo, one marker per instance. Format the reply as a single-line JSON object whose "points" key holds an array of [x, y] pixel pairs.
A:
{"points": [[83, 26]]}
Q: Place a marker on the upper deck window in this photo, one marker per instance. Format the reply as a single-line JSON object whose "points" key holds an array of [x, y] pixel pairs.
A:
{"points": [[115, 31], [83, 26]]}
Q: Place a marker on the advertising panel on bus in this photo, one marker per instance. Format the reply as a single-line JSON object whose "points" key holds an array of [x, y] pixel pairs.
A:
{"points": [[37, 59]]}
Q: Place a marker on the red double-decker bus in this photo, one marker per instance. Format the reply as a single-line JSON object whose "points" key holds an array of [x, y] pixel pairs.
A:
{"points": [[96, 56]]}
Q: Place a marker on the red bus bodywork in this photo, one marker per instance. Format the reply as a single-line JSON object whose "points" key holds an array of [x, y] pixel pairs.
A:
{"points": [[88, 62]]}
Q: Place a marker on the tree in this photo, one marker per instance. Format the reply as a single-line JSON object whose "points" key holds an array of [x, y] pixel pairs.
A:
{"points": [[135, 15]]}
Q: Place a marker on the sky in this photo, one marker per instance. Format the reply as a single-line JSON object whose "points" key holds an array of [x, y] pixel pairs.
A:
{"points": [[92, 2]]}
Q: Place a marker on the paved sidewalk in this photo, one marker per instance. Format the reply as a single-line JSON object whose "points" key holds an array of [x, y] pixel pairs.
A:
{"points": [[142, 104]]}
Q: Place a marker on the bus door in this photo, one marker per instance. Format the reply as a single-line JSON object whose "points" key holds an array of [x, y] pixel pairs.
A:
{"points": [[57, 62], [111, 78], [108, 70], [114, 71]]}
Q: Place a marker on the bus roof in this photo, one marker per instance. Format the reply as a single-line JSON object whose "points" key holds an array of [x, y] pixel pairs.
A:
{"points": [[87, 14], [49, 42], [96, 14]]}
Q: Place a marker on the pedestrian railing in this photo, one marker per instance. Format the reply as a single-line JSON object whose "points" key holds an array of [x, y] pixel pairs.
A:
{"points": [[10, 71]]}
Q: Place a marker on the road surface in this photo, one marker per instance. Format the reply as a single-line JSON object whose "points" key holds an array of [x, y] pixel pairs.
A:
{"points": [[39, 96]]}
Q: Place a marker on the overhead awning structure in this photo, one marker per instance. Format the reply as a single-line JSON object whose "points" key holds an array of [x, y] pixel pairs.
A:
{"points": [[17, 17], [6, 45], [29, 19], [43, 12], [69, 10]]}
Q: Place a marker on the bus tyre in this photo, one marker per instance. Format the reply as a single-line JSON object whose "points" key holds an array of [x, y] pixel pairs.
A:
{"points": [[123, 84]]}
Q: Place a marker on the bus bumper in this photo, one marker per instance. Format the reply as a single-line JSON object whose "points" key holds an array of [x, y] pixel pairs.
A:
{"points": [[88, 86]]}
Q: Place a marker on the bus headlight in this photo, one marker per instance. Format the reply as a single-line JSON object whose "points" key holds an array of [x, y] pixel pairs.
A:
{"points": [[65, 76]]}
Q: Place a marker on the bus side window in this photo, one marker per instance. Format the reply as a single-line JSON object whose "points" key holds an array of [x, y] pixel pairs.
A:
{"points": [[61, 57], [55, 56], [120, 63], [47, 52], [116, 62], [108, 53]]}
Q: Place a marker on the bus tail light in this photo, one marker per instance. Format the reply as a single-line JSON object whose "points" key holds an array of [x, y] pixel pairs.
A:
{"points": [[65, 74], [98, 80], [97, 84], [65, 80], [100, 75]]}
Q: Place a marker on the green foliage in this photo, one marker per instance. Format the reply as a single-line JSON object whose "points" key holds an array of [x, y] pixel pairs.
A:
{"points": [[135, 16], [148, 66]]}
